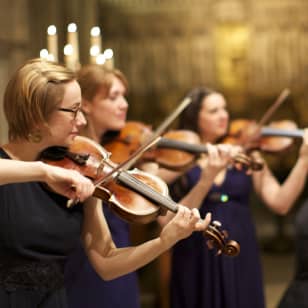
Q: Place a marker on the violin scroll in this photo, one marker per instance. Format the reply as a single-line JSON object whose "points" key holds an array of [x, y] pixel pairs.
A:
{"points": [[218, 239]]}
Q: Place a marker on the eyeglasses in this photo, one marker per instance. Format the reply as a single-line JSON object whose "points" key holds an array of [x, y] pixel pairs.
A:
{"points": [[74, 111]]}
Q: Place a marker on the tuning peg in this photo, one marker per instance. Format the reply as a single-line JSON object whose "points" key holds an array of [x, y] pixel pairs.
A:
{"points": [[216, 223]]}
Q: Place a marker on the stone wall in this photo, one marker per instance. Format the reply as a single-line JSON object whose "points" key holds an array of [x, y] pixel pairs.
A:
{"points": [[251, 50]]}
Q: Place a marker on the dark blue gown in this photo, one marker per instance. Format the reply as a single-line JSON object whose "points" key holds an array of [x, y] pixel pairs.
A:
{"points": [[296, 296], [37, 233], [86, 289], [199, 278]]}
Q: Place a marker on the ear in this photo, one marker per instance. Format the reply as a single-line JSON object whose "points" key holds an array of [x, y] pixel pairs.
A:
{"points": [[86, 106]]}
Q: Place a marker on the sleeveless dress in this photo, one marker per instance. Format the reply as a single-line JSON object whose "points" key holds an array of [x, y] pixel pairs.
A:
{"points": [[199, 278], [37, 232], [84, 286], [296, 296]]}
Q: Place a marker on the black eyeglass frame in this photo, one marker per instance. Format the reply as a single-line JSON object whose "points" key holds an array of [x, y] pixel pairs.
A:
{"points": [[73, 111]]}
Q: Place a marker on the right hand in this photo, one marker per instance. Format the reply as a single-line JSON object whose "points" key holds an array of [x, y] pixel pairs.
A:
{"points": [[69, 183], [217, 159], [183, 224]]}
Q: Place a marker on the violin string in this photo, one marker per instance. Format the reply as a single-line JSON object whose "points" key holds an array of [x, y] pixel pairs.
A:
{"points": [[148, 144], [123, 166], [265, 118], [212, 231], [147, 191]]}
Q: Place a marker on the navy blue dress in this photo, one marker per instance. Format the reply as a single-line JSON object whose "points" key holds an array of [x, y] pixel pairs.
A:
{"points": [[199, 278], [297, 293], [37, 233], [86, 289]]}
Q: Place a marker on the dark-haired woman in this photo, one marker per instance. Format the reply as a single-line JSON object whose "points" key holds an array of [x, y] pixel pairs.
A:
{"points": [[224, 282]]}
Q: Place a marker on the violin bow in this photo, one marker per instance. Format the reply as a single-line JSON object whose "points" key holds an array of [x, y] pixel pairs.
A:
{"points": [[281, 98], [154, 138], [265, 118]]}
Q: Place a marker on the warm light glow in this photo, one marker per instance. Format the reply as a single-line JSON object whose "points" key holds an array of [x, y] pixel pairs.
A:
{"points": [[50, 57], [94, 50], [100, 59], [72, 27], [52, 30], [68, 50], [95, 31], [108, 53], [44, 53]]}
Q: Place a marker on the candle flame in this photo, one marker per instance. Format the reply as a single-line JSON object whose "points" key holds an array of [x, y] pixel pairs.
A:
{"points": [[68, 50], [52, 30], [95, 31], [72, 27], [94, 50], [100, 59], [44, 54], [108, 53]]}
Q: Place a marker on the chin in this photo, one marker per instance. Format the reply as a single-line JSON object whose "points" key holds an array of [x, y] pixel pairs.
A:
{"points": [[69, 140], [119, 126]]}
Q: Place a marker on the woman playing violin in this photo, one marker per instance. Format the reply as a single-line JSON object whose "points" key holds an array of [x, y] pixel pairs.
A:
{"points": [[105, 107], [42, 105], [222, 282]]}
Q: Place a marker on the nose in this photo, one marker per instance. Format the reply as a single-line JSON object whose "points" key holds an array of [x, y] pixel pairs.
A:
{"points": [[124, 103], [225, 114], [81, 119]]}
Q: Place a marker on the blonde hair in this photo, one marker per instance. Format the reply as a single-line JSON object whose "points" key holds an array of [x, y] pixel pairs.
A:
{"points": [[94, 77], [33, 93]]}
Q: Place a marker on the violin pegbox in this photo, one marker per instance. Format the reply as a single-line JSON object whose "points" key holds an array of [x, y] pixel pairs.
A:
{"points": [[217, 238]]}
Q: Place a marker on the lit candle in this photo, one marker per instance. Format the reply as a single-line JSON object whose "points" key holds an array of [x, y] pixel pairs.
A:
{"points": [[68, 57], [109, 62], [95, 43], [44, 54], [100, 59], [72, 39], [52, 42]]}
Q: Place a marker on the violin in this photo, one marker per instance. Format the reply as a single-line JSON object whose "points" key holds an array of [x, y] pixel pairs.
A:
{"points": [[276, 137], [134, 195], [176, 150]]}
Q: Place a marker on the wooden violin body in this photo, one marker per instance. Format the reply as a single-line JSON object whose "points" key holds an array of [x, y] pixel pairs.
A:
{"points": [[134, 195], [276, 137], [177, 150]]}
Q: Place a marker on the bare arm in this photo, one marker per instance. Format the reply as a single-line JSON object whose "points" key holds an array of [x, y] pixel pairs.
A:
{"points": [[111, 262], [58, 179], [14, 171], [281, 197], [216, 161]]}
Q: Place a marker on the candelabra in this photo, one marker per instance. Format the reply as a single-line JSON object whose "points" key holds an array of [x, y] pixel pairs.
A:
{"points": [[71, 48]]}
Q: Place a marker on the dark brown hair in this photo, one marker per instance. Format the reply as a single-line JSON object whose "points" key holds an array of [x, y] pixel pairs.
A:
{"points": [[189, 117]]}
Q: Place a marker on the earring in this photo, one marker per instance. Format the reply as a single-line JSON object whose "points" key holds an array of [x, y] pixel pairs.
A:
{"points": [[35, 137]]}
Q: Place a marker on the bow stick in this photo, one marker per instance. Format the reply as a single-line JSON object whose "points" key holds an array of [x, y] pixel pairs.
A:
{"points": [[265, 118], [154, 138]]}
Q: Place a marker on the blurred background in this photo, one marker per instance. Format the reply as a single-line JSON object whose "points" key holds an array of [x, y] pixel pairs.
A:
{"points": [[249, 50]]}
